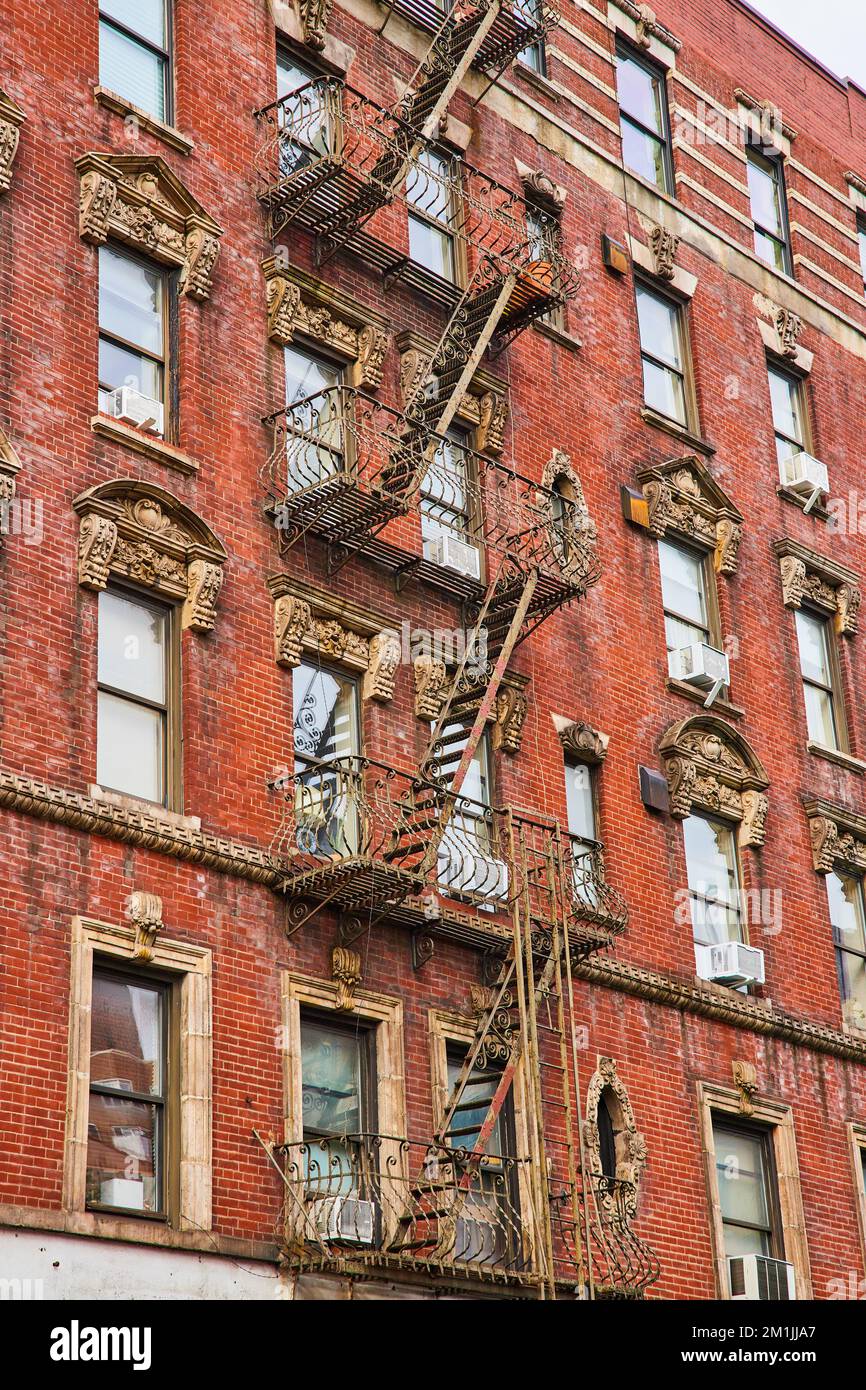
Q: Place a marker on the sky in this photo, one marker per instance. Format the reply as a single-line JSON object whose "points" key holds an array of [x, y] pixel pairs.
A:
{"points": [[833, 31]]}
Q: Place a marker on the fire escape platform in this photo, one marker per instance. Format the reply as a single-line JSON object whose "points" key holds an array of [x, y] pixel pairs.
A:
{"points": [[516, 26]]}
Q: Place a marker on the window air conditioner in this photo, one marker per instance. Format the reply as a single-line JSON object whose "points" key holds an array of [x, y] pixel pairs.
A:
{"points": [[133, 408], [454, 554], [730, 963], [805, 475], [465, 870], [481, 1242], [347, 1219], [701, 666], [758, 1277]]}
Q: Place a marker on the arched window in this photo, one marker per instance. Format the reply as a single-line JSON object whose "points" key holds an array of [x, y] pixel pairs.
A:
{"points": [[607, 1131]]}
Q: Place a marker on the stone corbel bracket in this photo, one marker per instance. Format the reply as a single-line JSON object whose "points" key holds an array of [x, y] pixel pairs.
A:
{"points": [[136, 530], [682, 498], [644, 27], [710, 767], [431, 686], [780, 330], [144, 911], [511, 708], [312, 622], [838, 837], [764, 119], [11, 120], [828, 586], [484, 405], [582, 742], [658, 256], [298, 305], [347, 975], [137, 200], [539, 188]]}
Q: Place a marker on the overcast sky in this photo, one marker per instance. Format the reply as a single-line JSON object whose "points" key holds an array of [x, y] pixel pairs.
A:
{"points": [[833, 31]]}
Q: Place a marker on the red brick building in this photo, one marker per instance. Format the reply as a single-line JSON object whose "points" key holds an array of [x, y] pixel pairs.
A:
{"points": [[432, 760]]}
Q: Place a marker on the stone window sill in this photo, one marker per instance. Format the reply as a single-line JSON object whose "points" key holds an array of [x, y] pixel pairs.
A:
{"points": [[151, 808], [689, 692], [112, 101], [661, 422], [148, 444], [537, 80], [835, 755]]}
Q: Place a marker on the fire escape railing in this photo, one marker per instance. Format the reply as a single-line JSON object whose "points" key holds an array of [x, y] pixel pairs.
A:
{"points": [[623, 1264], [518, 25]]}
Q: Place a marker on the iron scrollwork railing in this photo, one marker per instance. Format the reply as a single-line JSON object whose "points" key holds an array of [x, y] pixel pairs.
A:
{"points": [[623, 1265], [520, 24]]}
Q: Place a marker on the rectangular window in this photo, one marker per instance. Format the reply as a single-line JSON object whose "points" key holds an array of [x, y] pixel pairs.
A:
{"points": [[769, 210], [314, 440], [644, 119], [747, 1191], [134, 53], [136, 680], [306, 118], [328, 800], [582, 828], [714, 880], [446, 491], [663, 352], [525, 13], [430, 192], [848, 921], [127, 1146], [817, 663], [789, 413], [488, 1225], [467, 858], [545, 235], [684, 598], [861, 240], [133, 326], [338, 1109]]}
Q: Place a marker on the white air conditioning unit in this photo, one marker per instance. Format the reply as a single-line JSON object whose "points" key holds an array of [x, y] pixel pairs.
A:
{"points": [[465, 870], [702, 666], [122, 1192], [454, 554], [346, 1219], [758, 1277], [730, 963], [805, 475], [133, 408], [478, 1242]]}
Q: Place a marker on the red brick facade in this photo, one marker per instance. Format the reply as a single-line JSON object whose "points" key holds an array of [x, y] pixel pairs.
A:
{"points": [[576, 388]]}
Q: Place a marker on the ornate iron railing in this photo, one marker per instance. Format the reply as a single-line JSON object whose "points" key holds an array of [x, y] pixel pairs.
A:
{"points": [[623, 1265], [373, 1197], [519, 25]]}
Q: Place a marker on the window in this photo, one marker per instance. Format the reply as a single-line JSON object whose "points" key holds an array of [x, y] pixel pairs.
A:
{"points": [[544, 244], [582, 829], [134, 53], [818, 669], [606, 1135], [684, 598], [848, 921], [861, 239], [133, 327], [467, 862], [338, 1089], [769, 211], [314, 443], [644, 120], [446, 490], [714, 880], [137, 699], [789, 413], [128, 1129], [486, 1228], [306, 116], [663, 352], [531, 12], [430, 194], [747, 1190], [325, 729]]}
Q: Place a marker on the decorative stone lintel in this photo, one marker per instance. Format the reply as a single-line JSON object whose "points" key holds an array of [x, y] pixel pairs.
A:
{"points": [[584, 743], [838, 837], [431, 686], [648, 26], [11, 120], [711, 767], [658, 256], [483, 407], [780, 328], [136, 530], [144, 911], [511, 709], [136, 199], [683, 497], [347, 975], [772, 129], [541, 189], [299, 304], [824, 583], [313, 621]]}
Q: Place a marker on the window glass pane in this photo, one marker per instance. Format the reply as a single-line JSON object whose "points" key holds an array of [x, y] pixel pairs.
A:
{"points": [[770, 250], [428, 186], [683, 583], [820, 721], [580, 801], [659, 328], [130, 748], [431, 248], [306, 375], [444, 489], [120, 367], [741, 1240], [290, 76], [123, 1153], [331, 1080], [852, 975], [131, 70], [663, 390], [639, 93], [477, 1096], [765, 195], [710, 858], [144, 17], [742, 1178], [785, 396], [861, 237], [845, 895], [325, 714], [131, 301], [126, 1036], [132, 642], [644, 154], [814, 656]]}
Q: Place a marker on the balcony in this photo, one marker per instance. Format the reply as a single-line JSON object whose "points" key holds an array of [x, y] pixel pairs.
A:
{"points": [[623, 1265], [345, 467], [351, 172], [370, 1199], [517, 26]]}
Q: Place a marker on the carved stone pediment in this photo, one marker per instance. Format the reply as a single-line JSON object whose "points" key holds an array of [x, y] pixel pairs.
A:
{"points": [[11, 120], [710, 767], [583, 742], [136, 530], [606, 1087], [136, 199], [300, 305], [808, 577], [539, 188], [648, 25], [683, 498], [484, 406], [838, 837], [311, 621]]}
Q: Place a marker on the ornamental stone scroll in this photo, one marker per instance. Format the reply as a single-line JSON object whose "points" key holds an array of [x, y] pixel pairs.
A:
{"points": [[710, 767]]}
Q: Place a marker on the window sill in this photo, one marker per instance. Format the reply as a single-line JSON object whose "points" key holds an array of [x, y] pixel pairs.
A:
{"points": [[689, 692], [558, 335], [148, 444], [661, 422], [151, 808], [727, 991], [112, 101], [835, 755], [537, 80], [819, 511]]}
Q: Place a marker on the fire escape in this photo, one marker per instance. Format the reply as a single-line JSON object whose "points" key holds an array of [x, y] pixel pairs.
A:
{"points": [[361, 836]]}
